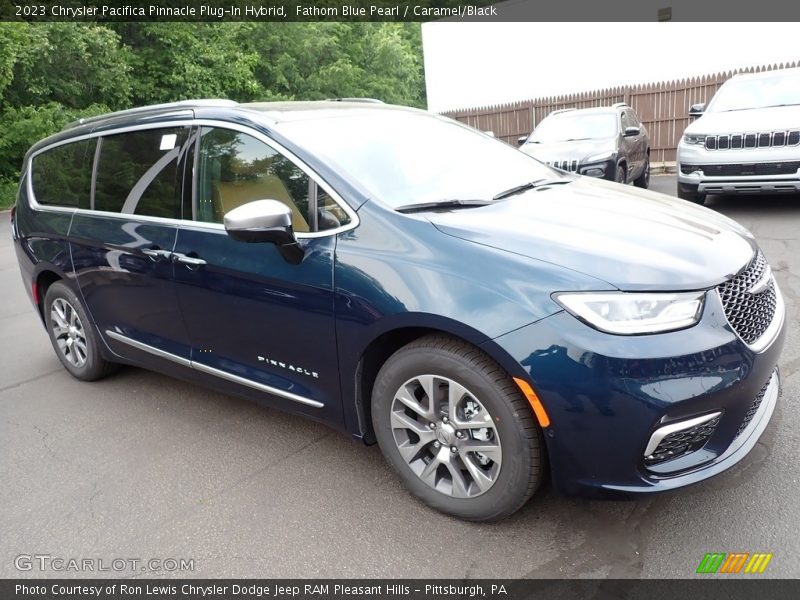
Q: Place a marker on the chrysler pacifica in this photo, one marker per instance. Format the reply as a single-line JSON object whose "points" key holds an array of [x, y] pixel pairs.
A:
{"points": [[486, 319]]}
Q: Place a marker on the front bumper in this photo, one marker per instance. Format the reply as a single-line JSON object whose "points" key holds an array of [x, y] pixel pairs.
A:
{"points": [[739, 171], [606, 169], [606, 395]]}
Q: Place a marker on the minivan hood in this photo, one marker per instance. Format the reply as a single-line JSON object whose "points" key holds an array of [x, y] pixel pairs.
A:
{"points": [[778, 118], [630, 238], [574, 150]]}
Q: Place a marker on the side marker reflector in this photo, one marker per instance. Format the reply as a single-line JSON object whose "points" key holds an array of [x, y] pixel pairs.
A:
{"points": [[533, 400]]}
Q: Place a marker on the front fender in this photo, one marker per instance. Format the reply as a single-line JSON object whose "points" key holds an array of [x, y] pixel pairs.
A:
{"points": [[398, 272]]}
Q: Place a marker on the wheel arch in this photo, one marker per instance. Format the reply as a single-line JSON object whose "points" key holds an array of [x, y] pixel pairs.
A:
{"points": [[42, 280], [389, 341]]}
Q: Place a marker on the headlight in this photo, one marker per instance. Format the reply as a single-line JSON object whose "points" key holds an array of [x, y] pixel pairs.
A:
{"points": [[694, 140], [598, 157], [625, 313]]}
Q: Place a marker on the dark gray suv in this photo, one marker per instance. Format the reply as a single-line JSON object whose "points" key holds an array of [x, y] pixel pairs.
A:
{"points": [[607, 142]]}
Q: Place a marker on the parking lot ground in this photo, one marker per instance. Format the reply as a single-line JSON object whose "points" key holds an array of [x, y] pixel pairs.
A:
{"points": [[143, 466]]}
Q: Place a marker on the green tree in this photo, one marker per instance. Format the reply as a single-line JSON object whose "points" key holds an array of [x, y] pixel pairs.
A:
{"points": [[314, 61], [54, 73], [178, 61], [23, 126], [12, 38], [74, 64]]}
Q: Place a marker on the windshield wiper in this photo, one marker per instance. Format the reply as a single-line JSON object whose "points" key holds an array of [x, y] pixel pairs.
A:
{"points": [[577, 139], [530, 186], [440, 205]]}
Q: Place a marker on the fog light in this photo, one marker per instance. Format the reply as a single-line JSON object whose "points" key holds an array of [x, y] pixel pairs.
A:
{"points": [[688, 169], [594, 172]]}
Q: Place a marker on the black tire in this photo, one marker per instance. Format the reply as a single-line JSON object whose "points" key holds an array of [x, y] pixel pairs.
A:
{"points": [[522, 466], [620, 176], [691, 197], [94, 366], [643, 181]]}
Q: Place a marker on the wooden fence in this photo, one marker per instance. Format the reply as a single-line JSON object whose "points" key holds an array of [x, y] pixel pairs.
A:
{"points": [[662, 107]]}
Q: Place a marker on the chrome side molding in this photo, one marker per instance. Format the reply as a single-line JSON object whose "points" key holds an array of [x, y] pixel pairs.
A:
{"points": [[147, 348], [211, 370]]}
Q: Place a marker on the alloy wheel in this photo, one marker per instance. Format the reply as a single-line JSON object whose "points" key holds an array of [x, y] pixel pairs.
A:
{"points": [[446, 436], [68, 332]]}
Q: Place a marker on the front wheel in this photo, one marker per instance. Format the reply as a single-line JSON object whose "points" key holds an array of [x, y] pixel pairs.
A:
{"points": [[456, 429], [643, 181], [72, 335]]}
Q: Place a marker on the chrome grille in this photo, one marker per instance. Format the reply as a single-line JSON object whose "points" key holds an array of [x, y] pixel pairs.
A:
{"points": [[564, 165], [762, 139], [751, 412], [750, 314], [682, 442]]}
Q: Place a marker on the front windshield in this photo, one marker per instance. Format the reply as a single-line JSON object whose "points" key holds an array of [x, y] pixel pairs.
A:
{"points": [[404, 158], [574, 126], [781, 89]]}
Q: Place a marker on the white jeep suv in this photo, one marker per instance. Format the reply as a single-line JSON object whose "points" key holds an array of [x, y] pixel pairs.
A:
{"points": [[746, 141]]}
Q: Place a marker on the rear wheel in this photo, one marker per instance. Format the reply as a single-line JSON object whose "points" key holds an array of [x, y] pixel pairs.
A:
{"points": [[72, 335], [643, 181], [456, 429]]}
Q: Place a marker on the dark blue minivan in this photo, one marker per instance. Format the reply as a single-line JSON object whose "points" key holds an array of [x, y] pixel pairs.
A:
{"points": [[484, 318]]}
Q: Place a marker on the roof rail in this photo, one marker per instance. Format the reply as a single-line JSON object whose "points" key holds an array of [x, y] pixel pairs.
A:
{"points": [[561, 110], [143, 109], [366, 100], [620, 105]]}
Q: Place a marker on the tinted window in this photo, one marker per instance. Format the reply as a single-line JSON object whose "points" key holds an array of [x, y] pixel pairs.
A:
{"points": [[140, 172], [235, 168], [63, 176], [628, 120], [330, 214]]}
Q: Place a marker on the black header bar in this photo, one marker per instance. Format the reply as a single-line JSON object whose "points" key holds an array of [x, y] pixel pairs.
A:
{"points": [[400, 10]]}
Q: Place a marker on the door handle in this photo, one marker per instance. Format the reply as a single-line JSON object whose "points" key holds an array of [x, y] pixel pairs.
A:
{"points": [[156, 254], [189, 261]]}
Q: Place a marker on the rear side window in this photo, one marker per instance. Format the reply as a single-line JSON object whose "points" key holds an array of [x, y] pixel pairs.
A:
{"points": [[62, 176], [141, 172]]}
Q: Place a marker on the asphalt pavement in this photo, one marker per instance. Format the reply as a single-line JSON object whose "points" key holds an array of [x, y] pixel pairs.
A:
{"points": [[141, 466]]}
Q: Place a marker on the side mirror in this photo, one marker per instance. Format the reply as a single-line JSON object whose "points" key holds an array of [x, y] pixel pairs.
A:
{"points": [[632, 131], [521, 140], [265, 221], [697, 109]]}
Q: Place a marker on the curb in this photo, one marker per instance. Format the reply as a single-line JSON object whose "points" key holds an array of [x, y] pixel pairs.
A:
{"points": [[663, 168]]}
